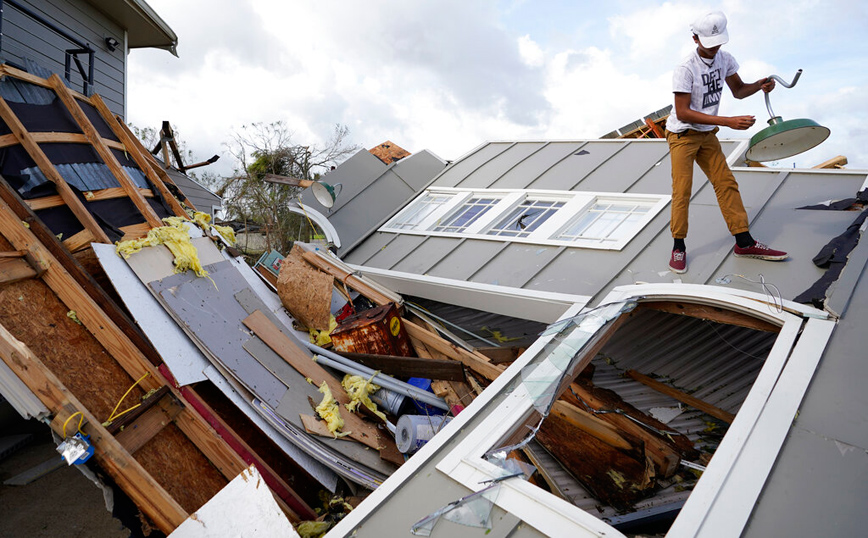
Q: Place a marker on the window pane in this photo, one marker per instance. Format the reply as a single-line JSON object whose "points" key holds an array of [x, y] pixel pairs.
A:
{"points": [[467, 214], [606, 221], [524, 219], [420, 211]]}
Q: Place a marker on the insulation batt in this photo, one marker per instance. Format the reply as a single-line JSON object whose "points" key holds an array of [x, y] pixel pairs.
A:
{"points": [[359, 390], [329, 410], [176, 238]]}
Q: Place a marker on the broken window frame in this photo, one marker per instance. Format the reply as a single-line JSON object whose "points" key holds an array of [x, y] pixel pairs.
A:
{"points": [[735, 476], [575, 205]]}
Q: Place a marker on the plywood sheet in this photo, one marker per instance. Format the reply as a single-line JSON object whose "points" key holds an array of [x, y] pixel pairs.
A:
{"points": [[306, 292], [180, 354]]}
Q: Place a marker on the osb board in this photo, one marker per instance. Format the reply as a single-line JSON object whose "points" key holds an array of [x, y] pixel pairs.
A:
{"points": [[166, 457], [306, 292], [36, 316]]}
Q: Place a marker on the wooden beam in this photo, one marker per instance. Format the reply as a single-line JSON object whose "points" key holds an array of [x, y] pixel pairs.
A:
{"points": [[90, 196], [6, 69], [155, 165], [409, 366], [475, 361], [711, 313], [57, 138], [104, 152], [682, 397], [281, 344], [654, 128], [135, 231], [590, 424], [14, 267], [835, 162], [501, 355], [134, 149], [154, 501], [348, 278], [137, 433], [50, 172]]}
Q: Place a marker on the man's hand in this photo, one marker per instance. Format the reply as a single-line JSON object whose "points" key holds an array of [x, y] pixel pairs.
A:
{"points": [[767, 84], [740, 123]]}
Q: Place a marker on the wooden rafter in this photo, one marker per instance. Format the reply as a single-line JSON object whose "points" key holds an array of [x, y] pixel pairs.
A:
{"points": [[154, 164], [134, 148], [57, 138], [50, 172], [91, 196], [104, 152]]}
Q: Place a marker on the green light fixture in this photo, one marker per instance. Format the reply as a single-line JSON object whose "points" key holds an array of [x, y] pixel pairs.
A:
{"points": [[783, 139]]}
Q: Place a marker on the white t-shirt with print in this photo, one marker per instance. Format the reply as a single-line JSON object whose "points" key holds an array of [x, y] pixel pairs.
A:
{"points": [[705, 85]]}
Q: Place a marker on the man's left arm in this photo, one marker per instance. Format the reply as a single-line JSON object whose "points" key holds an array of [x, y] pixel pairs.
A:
{"points": [[740, 89]]}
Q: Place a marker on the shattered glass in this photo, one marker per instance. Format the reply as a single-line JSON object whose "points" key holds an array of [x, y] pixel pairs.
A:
{"points": [[475, 509]]}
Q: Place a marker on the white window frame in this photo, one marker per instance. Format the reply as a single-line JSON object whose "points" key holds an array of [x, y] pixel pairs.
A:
{"points": [[576, 202], [723, 498]]}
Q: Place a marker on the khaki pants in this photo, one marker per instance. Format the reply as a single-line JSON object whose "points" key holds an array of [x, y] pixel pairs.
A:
{"points": [[704, 149]]}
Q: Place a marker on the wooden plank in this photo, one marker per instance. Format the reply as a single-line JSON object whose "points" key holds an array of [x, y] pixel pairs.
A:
{"points": [[154, 501], [477, 362], [281, 344], [136, 434], [590, 424], [835, 162], [91, 196], [501, 355], [457, 394], [134, 149], [6, 69], [57, 138], [351, 280], [104, 152], [682, 397], [79, 241], [711, 313], [135, 231], [15, 269], [654, 128], [409, 366], [50, 172]]}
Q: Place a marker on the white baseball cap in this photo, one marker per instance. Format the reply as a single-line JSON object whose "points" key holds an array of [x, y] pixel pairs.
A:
{"points": [[711, 29]]}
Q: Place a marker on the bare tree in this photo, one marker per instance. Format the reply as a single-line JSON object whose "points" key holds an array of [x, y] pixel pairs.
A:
{"points": [[267, 148]]}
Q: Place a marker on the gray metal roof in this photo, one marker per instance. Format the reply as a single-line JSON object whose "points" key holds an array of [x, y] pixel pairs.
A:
{"points": [[371, 191], [771, 197]]}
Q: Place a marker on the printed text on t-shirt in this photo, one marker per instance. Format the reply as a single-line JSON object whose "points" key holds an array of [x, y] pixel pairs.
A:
{"points": [[713, 88]]}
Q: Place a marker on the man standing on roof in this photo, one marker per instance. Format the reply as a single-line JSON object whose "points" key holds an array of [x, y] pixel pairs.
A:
{"points": [[691, 132]]}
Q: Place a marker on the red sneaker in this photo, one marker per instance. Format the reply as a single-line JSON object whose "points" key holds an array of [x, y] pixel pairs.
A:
{"points": [[760, 251], [678, 262]]}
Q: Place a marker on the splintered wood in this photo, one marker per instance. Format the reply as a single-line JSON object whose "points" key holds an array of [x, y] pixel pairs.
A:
{"points": [[305, 291]]}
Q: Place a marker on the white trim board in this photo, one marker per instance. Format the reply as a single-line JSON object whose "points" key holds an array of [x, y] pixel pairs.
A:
{"points": [[542, 306]]}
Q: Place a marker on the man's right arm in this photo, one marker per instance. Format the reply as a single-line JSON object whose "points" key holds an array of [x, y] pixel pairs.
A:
{"points": [[687, 115]]}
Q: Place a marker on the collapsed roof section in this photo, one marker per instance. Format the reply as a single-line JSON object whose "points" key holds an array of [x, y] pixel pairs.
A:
{"points": [[78, 165]]}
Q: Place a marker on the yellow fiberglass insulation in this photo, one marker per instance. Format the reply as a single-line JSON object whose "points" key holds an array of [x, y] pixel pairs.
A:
{"points": [[359, 390], [322, 338], [176, 238], [329, 410], [227, 233]]}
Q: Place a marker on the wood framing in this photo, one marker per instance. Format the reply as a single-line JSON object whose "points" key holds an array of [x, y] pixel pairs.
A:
{"points": [[134, 148], [50, 172], [103, 151], [57, 138], [95, 196], [682, 397]]}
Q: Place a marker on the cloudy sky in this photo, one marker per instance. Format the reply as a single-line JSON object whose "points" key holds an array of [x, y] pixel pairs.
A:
{"points": [[447, 75]]}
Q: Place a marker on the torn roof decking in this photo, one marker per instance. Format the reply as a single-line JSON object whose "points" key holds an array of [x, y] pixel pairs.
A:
{"points": [[62, 142]]}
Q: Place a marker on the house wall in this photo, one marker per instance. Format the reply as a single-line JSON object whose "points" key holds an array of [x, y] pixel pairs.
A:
{"points": [[24, 38]]}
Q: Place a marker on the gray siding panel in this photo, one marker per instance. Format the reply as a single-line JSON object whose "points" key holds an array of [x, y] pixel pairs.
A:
{"points": [[489, 173], [419, 169], [369, 207], [355, 175], [458, 172], [362, 254], [615, 175], [426, 255], [570, 171], [466, 259], [395, 251], [25, 38], [523, 174], [516, 264]]}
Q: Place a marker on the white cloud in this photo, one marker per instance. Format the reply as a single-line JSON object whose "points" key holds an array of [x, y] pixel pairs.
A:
{"points": [[448, 75]]}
